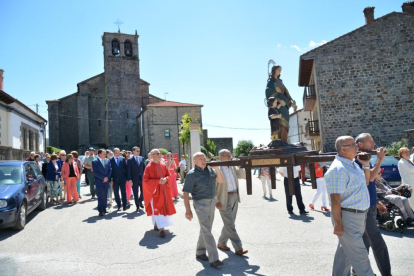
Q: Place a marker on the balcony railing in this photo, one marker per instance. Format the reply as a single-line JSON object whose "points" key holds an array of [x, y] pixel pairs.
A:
{"points": [[309, 97], [312, 129]]}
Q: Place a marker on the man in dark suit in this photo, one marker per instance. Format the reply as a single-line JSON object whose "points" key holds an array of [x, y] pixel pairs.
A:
{"points": [[118, 178], [102, 171], [135, 173]]}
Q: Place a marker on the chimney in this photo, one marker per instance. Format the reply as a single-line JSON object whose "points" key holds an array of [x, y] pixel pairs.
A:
{"points": [[408, 7], [369, 15], [1, 79]]}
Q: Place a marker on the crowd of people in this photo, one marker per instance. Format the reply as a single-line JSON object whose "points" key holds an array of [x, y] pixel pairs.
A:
{"points": [[351, 183]]}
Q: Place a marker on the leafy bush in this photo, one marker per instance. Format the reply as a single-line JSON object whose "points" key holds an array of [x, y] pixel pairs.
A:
{"points": [[210, 146], [395, 146], [51, 150], [204, 150], [243, 148], [163, 151]]}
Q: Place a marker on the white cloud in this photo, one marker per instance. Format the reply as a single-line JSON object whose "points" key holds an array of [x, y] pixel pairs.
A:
{"points": [[296, 47], [316, 44], [279, 46], [312, 44]]}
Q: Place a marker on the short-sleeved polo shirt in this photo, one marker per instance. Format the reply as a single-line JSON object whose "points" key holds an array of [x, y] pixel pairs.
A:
{"points": [[346, 178], [201, 183]]}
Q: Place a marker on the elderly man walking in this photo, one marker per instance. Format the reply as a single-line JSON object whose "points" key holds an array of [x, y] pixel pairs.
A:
{"points": [[201, 183], [228, 197], [347, 183], [372, 236]]}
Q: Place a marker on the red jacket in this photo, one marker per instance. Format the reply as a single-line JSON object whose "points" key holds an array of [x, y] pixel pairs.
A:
{"points": [[66, 171]]}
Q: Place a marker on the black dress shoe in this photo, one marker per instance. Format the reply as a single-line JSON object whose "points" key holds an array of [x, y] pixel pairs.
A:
{"points": [[291, 213], [137, 209], [140, 205], [101, 214], [119, 208], [304, 212], [106, 212], [126, 207], [217, 263], [202, 257]]}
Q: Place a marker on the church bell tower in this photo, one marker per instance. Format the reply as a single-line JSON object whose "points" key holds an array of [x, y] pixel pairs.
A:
{"points": [[122, 89]]}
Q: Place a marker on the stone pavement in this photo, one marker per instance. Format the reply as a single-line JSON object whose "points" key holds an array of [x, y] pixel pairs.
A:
{"points": [[73, 240]]}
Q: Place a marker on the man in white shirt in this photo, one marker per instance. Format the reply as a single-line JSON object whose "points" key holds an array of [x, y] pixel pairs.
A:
{"points": [[298, 193], [182, 166]]}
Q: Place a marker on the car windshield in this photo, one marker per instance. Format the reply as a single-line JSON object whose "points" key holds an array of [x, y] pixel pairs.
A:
{"points": [[10, 174], [388, 160]]}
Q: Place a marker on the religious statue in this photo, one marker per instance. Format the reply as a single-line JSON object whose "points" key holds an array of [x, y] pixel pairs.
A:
{"points": [[279, 103]]}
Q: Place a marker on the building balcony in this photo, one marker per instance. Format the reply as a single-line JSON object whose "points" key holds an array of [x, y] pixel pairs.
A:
{"points": [[312, 129], [309, 97]]}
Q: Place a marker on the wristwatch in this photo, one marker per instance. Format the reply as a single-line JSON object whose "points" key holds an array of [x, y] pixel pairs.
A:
{"points": [[366, 168]]}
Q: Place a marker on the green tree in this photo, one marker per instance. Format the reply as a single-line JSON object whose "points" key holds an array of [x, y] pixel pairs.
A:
{"points": [[210, 146], [395, 146], [163, 151], [243, 148], [185, 131]]}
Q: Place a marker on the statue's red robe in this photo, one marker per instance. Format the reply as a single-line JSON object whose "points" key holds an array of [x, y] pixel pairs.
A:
{"points": [[159, 193]]}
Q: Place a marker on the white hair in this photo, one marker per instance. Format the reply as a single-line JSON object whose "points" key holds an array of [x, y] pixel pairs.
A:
{"points": [[116, 149], [154, 150], [223, 151], [197, 154]]}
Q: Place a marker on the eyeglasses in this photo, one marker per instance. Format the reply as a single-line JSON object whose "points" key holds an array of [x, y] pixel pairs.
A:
{"points": [[350, 145], [63, 155]]}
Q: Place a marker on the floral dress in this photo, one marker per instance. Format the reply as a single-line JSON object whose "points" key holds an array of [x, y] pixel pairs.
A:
{"points": [[53, 187]]}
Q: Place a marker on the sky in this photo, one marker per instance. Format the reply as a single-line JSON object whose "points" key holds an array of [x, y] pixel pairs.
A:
{"points": [[213, 53]]}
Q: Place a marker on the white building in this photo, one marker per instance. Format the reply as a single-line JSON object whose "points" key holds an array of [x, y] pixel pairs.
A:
{"points": [[297, 131], [21, 129]]}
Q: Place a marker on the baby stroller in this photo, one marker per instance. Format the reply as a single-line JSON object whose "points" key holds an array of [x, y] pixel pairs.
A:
{"points": [[393, 218]]}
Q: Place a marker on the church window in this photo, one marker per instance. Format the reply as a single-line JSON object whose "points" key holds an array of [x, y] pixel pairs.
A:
{"points": [[128, 48], [167, 133], [99, 122], [115, 47], [126, 138]]}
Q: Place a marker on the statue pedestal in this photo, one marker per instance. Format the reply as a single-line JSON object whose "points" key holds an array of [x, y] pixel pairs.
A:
{"points": [[194, 141]]}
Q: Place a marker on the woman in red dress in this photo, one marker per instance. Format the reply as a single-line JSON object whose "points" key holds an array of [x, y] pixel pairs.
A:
{"points": [[172, 168]]}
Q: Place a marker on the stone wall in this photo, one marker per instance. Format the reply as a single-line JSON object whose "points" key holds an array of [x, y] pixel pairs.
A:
{"points": [[68, 124], [223, 143], [159, 119], [365, 81]]}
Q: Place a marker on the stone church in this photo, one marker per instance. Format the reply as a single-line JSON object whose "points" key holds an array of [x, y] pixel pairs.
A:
{"points": [[104, 111]]}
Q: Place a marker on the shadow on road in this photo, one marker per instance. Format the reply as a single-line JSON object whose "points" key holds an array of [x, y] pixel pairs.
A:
{"points": [[8, 232], [233, 265], [304, 218], [152, 239], [8, 266], [407, 233], [326, 214], [133, 215]]}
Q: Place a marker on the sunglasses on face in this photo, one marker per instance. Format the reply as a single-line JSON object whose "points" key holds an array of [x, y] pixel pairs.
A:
{"points": [[156, 153]]}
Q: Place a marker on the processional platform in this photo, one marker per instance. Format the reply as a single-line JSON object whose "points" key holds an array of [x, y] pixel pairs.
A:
{"points": [[284, 156]]}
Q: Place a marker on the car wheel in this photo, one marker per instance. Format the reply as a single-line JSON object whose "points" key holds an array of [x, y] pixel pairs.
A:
{"points": [[43, 204], [21, 217]]}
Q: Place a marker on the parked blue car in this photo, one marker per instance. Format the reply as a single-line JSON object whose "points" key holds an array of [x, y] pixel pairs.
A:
{"points": [[389, 170], [22, 190]]}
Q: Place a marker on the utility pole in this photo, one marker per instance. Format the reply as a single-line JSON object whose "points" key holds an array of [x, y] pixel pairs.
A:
{"points": [[37, 108]]}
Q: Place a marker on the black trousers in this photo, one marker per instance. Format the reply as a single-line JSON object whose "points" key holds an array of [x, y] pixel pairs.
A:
{"points": [[137, 197], [298, 195], [373, 238], [120, 185]]}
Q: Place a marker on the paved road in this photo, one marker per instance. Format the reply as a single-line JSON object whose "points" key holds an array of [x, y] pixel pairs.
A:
{"points": [[73, 240]]}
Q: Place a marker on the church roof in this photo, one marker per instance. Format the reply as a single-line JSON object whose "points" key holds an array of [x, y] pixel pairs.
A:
{"points": [[173, 104]]}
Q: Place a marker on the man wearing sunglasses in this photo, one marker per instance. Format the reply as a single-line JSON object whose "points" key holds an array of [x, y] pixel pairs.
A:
{"points": [[346, 184]]}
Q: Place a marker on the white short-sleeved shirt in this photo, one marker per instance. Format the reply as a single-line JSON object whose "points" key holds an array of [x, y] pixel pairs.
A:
{"points": [[296, 170]]}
